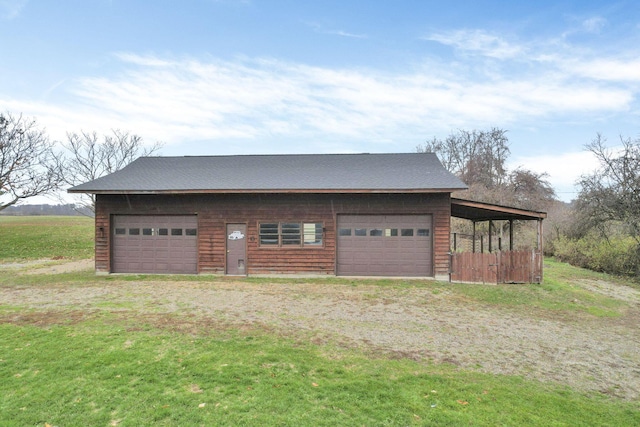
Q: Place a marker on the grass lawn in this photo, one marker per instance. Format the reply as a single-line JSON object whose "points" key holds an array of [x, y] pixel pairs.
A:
{"points": [[558, 294], [115, 367], [52, 237], [107, 371]]}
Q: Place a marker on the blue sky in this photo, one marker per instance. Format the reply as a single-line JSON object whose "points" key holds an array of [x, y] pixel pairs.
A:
{"points": [[245, 77]]}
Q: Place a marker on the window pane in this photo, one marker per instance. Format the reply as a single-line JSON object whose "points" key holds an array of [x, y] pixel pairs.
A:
{"points": [[269, 234], [424, 232], [406, 232], [344, 232], [176, 231], [312, 233], [390, 232], [290, 233], [361, 231], [147, 231], [375, 232], [121, 231], [163, 232], [134, 232], [191, 232]]}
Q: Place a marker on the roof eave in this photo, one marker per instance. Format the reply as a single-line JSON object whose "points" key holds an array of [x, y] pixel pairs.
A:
{"points": [[265, 191], [479, 211]]}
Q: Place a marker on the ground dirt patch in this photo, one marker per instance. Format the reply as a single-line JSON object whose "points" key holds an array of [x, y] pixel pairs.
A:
{"points": [[585, 352], [603, 287], [48, 266]]}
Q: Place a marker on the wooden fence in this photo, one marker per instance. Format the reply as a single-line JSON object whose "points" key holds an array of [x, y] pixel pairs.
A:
{"points": [[497, 267]]}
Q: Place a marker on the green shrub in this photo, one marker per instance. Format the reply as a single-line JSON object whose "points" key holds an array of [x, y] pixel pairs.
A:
{"points": [[617, 255]]}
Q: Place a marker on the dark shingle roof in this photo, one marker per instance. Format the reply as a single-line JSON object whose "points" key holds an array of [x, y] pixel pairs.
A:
{"points": [[414, 172]]}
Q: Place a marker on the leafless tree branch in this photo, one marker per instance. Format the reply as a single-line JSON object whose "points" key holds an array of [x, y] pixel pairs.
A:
{"points": [[28, 164], [92, 156]]}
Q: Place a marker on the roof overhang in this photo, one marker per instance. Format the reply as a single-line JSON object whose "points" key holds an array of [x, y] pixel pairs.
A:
{"points": [[266, 191], [478, 211]]}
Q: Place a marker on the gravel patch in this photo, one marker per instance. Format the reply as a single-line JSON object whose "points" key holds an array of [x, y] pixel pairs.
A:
{"points": [[586, 353]]}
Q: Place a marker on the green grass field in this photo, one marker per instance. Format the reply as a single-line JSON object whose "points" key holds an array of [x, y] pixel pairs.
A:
{"points": [[39, 237], [104, 371], [107, 367]]}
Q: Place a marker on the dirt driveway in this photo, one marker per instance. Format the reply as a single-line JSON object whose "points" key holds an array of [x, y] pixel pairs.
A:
{"points": [[423, 323]]}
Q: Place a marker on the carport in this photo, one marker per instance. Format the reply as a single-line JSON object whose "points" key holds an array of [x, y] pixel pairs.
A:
{"points": [[496, 266]]}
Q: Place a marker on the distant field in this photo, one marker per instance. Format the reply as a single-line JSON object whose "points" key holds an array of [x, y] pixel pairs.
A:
{"points": [[45, 237]]}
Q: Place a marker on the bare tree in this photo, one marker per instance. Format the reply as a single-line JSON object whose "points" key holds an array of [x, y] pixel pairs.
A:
{"points": [[476, 157], [612, 192], [28, 165], [530, 190], [558, 224], [479, 158], [92, 156]]}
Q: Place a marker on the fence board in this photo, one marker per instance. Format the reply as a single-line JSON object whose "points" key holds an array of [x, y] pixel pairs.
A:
{"points": [[474, 267], [497, 267]]}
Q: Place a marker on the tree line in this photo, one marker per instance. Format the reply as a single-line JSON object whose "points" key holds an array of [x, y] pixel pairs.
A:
{"points": [[31, 164], [599, 230]]}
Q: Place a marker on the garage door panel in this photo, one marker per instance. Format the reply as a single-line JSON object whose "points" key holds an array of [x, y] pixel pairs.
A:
{"points": [[147, 265], [391, 244], [405, 243], [363, 257], [148, 246], [147, 254], [373, 244], [361, 269], [185, 244], [358, 242], [403, 249]]}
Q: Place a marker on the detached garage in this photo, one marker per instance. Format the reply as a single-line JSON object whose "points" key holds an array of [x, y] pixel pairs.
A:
{"points": [[350, 215]]}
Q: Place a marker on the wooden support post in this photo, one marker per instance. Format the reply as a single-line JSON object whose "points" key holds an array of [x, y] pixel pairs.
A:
{"points": [[541, 248], [510, 234], [490, 236], [474, 237]]}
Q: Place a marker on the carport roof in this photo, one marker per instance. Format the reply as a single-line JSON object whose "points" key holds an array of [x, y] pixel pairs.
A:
{"points": [[357, 173], [478, 211]]}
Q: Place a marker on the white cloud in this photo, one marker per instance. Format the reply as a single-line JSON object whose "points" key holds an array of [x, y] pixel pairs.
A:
{"points": [[607, 69], [479, 42], [10, 9], [323, 30], [195, 99], [594, 24], [564, 169], [547, 58], [581, 25], [347, 34]]}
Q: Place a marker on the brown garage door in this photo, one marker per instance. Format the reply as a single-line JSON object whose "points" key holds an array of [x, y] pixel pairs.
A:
{"points": [[154, 244], [384, 245]]}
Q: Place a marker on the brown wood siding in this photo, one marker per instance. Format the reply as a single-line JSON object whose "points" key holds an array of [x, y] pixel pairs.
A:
{"points": [[442, 234], [103, 232], [215, 211]]}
